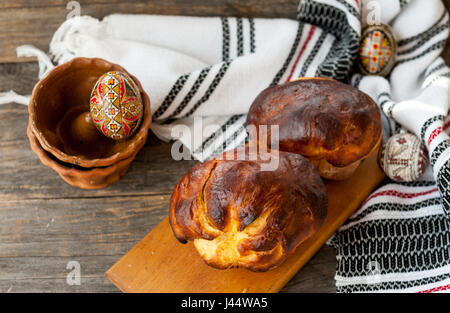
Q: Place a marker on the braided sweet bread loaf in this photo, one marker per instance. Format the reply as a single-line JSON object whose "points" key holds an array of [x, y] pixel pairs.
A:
{"points": [[239, 215]]}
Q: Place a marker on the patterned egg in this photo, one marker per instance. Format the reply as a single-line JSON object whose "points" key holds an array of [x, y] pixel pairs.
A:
{"points": [[116, 105], [377, 51], [403, 157]]}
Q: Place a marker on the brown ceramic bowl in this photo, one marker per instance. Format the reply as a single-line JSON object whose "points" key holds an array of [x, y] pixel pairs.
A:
{"points": [[60, 119], [93, 178]]}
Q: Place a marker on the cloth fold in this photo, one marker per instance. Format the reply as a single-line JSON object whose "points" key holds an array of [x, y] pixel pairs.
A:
{"points": [[209, 70], [399, 240]]}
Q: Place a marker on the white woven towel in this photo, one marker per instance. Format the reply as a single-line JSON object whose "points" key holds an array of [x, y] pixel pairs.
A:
{"points": [[209, 70], [399, 241]]}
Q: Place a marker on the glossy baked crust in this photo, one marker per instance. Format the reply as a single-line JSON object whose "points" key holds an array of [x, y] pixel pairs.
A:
{"points": [[241, 216], [320, 118]]}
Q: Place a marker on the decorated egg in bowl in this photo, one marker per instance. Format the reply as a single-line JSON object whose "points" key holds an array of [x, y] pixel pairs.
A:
{"points": [[116, 105]]}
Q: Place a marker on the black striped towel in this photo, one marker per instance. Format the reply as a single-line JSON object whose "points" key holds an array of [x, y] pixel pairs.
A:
{"points": [[399, 240], [202, 74]]}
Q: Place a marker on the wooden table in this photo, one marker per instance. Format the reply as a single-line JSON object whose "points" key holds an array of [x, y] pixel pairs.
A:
{"points": [[45, 223]]}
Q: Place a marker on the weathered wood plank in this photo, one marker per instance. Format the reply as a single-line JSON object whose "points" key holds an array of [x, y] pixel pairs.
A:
{"points": [[49, 274], [45, 224], [34, 22], [152, 172], [317, 276], [97, 284], [20, 77], [39, 237], [158, 262], [70, 223]]}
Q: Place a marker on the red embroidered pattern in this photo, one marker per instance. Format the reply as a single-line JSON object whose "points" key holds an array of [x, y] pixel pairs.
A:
{"points": [[434, 134], [404, 195], [436, 289], [311, 33]]}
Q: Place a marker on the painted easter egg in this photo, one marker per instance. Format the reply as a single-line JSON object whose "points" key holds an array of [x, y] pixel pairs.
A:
{"points": [[377, 50], [403, 157], [116, 105]]}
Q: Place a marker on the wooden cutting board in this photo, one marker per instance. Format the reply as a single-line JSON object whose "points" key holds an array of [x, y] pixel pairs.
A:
{"points": [[159, 263]]}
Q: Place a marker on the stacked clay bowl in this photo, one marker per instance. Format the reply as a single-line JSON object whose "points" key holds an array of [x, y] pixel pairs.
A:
{"points": [[63, 135]]}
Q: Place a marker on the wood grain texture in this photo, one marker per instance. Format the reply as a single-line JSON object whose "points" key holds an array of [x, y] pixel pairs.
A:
{"points": [[35, 21], [46, 223], [159, 263]]}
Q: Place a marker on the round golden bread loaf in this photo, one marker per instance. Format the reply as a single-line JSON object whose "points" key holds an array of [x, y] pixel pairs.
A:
{"points": [[331, 123], [239, 215]]}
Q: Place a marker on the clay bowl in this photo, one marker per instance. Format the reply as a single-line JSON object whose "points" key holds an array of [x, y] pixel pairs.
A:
{"points": [[94, 178], [60, 119]]}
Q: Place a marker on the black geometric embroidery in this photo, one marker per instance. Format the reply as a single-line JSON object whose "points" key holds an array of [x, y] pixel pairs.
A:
{"points": [[382, 103], [446, 75], [171, 95], [391, 206], [227, 143], [383, 94], [350, 9], [392, 285], [220, 131], [240, 38], [294, 46], [225, 146], [422, 42], [198, 82], [312, 55], [428, 123], [435, 69], [390, 109], [252, 35], [344, 51], [216, 81], [225, 39], [425, 33], [399, 245], [435, 46], [441, 147], [423, 183], [443, 182], [388, 112]]}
